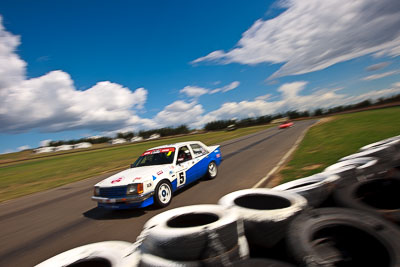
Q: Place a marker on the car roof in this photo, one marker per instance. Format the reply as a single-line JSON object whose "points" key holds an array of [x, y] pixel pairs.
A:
{"points": [[176, 145]]}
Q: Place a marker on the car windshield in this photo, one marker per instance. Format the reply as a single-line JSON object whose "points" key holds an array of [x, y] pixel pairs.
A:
{"points": [[155, 157]]}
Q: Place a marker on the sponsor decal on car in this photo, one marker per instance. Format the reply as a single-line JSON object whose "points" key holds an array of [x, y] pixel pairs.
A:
{"points": [[156, 151], [160, 172], [117, 180], [218, 155]]}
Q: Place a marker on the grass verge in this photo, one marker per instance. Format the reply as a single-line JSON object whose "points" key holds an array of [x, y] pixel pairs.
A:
{"points": [[343, 135], [34, 175]]}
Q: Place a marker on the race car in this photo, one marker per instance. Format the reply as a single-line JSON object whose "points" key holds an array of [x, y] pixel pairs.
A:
{"points": [[286, 125], [156, 174]]}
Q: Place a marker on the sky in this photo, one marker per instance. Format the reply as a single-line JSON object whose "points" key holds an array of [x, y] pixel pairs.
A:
{"points": [[73, 69]]}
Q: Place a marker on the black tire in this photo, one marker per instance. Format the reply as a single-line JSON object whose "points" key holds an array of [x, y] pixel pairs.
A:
{"points": [[261, 262], [343, 237], [379, 196], [212, 170], [265, 212], [189, 233], [163, 194], [316, 188], [107, 253]]}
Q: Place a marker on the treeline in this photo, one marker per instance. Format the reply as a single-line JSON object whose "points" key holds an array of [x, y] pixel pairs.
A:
{"points": [[294, 114], [98, 140], [167, 131], [223, 124]]}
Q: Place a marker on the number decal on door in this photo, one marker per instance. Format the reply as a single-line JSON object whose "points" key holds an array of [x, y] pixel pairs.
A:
{"points": [[181, 176]]}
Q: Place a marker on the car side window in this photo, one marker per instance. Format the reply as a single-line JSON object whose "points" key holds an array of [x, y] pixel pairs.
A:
{"points": [[184, 154], [198, 150]]}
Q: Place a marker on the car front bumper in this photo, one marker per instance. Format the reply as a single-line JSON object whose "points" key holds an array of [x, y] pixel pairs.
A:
{"points": [[127, 199]]}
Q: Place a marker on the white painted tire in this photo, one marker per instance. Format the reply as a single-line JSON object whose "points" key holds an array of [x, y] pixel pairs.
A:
{"points": [[265, 212], [183, 234], [316, 188], [383, 153], [364, 168], [107, 253], [233, 255], [381, 143]]}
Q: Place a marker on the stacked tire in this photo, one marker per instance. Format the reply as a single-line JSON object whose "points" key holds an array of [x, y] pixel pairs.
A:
{"points": [[101, 254], [198, 235], [348, 215]]}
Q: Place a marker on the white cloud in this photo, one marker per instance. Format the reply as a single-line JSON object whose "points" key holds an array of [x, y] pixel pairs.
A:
{"points": [[379, 76], [23, 148], [45, 142], [312, 35], [195, 91], [377, 66], [52, 103], [179, 112]]}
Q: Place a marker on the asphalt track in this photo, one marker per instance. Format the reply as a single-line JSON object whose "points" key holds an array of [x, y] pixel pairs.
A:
{"points": [[39, 226]]}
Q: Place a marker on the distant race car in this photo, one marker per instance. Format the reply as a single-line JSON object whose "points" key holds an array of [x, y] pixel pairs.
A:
{"points": [[156, 174], [286, 125]]}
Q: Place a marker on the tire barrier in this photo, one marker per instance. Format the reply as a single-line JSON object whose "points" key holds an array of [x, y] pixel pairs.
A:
{"points": [[261, 262], [358, 168], [101, 254], [265, 212], [283, 226], [343, 237], [381, 143], [198, 234], [316, 188], [379, 196]]}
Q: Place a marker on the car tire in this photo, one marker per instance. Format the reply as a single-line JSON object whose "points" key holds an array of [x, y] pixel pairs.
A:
{"points": [[316, 188], [212, 170], [163, 194], [192, 233], [378, 196], [265, 213], [107, 253], [343, 237]]}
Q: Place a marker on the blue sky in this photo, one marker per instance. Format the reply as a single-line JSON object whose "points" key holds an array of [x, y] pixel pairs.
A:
{"points": [[72, 69]]}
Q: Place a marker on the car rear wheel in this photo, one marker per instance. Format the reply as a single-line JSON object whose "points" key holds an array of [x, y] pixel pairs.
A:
{"points": [[163, 194], [212, 170]]}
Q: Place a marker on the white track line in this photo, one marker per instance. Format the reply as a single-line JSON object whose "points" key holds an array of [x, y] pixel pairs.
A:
{"points": [[283, 159]]}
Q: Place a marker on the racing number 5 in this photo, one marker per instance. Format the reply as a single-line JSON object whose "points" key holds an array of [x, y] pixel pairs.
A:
{"points": [[181, 178]]}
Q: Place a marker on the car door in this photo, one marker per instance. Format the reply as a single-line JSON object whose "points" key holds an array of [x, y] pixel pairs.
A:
{"points": [[200, 160], [184, 163]]}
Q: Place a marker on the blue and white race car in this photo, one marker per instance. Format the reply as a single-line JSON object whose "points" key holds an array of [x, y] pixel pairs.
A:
{"points": [[156, 174]]}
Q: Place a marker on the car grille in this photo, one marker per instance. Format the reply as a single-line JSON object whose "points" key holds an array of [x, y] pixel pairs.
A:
{"points": [[113, 192]]}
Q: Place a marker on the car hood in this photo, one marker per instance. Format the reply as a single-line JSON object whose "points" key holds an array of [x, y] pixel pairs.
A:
{"points": [[134, 175]]}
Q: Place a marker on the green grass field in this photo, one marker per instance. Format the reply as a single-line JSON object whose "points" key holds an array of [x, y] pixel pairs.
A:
{"points": [[325, 143], [38, 174]]}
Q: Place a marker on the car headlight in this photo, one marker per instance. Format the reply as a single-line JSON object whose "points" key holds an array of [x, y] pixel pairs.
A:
{"points": [[96, 191], [134, 189]]}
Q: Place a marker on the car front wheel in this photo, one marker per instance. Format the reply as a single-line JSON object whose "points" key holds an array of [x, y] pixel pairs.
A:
{"points": [[212, 170], [163, 194]]}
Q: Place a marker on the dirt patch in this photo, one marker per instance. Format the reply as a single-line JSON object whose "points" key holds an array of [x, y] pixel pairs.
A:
{"points": [[311, 167], [275, 180]]}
